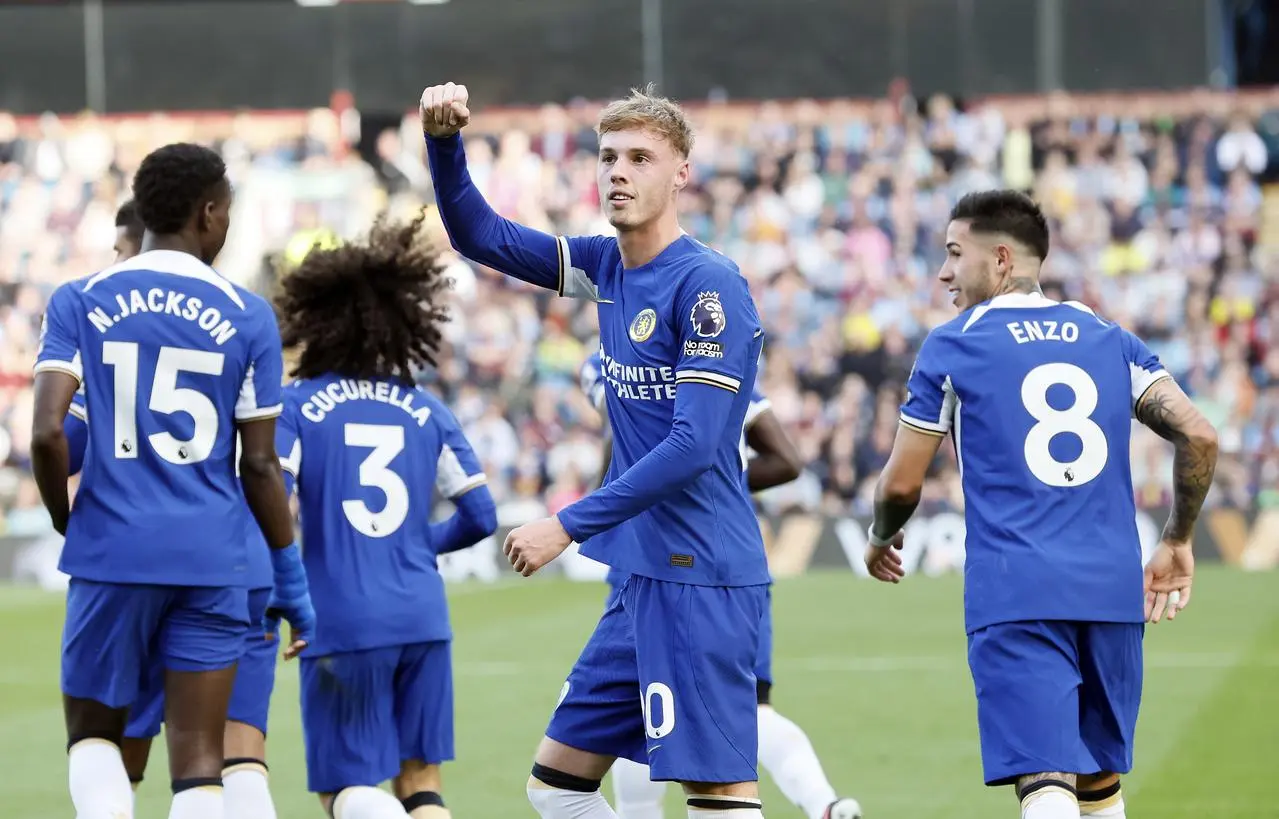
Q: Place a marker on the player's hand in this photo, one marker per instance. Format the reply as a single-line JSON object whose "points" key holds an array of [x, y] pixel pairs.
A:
{"points": [[290, 599], [1168, 577], [884, 563], [301, 619], [271, 626], [533, 545], [444, 110]]}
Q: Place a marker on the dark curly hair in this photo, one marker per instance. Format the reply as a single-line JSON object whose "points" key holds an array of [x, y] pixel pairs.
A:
{"points": [[127, 217], [173, 182], [366, 310]]}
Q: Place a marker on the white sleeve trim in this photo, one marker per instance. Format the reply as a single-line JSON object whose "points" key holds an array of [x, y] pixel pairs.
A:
{"points": [[707, 377], [78, 411], [574, 283], [259, 413], [74, 367], [598, 399], [451, 477], [945, 418], [246, 405], [475, 481], [1143, 380], [931, 426], [292, 463], [756, 409]]}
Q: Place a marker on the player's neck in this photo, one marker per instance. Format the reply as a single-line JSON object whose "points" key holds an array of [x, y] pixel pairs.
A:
{"points": [[643, 244], [1020, 284], [170, 241]]}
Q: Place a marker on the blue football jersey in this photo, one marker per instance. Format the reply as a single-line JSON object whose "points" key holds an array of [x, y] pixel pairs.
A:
{"points": [[1038, 397], [171, 356], [592, 381], [594, 385], [368, 456], [685, 317], [76, 427]]}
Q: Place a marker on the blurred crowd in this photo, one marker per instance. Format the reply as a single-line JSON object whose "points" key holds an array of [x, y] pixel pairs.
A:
{"points": [[833, 210]]}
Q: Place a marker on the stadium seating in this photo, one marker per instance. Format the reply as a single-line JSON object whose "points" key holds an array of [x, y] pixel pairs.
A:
{"points": [[833, 210]]}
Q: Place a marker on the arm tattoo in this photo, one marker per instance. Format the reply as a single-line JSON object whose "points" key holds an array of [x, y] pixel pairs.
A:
{"points": [[891, 515], [1169, 413]]}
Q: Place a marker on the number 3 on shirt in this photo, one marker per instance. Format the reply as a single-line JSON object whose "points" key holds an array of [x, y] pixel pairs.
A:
{"points": [[167, 398], [386, 442], [1075, 419]]}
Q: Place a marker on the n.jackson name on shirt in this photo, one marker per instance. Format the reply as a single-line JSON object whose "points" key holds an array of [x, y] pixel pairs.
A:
{"points": [[157, 300]]}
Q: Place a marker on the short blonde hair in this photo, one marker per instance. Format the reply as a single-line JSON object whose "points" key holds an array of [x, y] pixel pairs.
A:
{"points": [[645, 110]]}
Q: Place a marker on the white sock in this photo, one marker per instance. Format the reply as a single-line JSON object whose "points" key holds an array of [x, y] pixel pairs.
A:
{"points": [[705, 806], [204, 802], [98, 782], [788, 756], [367, 803], [635, 796], [1050, 803], [246, 792], [553, 803], [1115, 811]]}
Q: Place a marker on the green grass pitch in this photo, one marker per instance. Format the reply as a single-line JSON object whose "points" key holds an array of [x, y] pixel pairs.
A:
{"points": [[875, 674]]}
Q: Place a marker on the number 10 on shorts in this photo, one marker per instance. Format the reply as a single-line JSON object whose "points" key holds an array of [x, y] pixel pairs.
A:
{"points": [[658, 698]]}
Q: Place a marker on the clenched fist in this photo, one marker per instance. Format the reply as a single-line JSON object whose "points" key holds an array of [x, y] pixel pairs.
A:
{"points": [[533, 545], [443, 110]]}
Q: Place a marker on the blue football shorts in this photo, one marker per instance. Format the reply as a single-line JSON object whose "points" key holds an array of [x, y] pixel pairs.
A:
{"points": [[1056, 696], [668, 679], [250, 695], [365, 712], [764, 659], [115, 632]]}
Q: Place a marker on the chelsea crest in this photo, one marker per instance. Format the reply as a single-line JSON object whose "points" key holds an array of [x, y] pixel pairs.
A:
{"points": [[708, 315], [643, 325]]}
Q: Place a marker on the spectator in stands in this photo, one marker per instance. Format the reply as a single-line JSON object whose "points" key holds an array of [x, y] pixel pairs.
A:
{"points": [[834, 211]]}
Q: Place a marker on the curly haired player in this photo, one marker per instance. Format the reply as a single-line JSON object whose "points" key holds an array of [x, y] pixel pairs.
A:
{"points": [[366, 448]]}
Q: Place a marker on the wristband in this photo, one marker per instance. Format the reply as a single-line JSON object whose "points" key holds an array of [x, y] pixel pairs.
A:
{"points": [[875, 541], [287, 561]]}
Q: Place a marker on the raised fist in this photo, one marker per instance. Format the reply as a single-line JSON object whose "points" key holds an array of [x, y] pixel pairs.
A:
{"points": [[443, 110]]}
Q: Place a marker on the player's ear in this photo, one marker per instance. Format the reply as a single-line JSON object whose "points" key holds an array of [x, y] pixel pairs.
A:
{"points": [[1003, 259], [682, 174], [204, 220]]}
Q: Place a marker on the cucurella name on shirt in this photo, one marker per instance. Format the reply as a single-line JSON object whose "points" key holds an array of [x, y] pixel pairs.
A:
{"points": [[165, 302], [322, 401]]}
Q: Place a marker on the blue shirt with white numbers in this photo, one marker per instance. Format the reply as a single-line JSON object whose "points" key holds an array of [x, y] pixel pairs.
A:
{"points": [[171, 356], [367, 457], [76, 428], [1039, 398]]}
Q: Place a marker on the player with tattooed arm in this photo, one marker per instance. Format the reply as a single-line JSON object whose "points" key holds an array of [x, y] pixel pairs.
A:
{"points": [[368, 450], [1038, 397]]}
